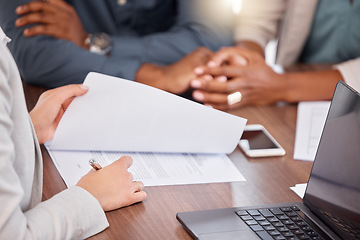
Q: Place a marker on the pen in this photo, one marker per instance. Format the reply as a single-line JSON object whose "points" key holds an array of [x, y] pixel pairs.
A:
{"points": [[95, 164]]}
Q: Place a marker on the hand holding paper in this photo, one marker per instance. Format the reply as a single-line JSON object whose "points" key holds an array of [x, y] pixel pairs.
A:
{"points": [[120, 117]]}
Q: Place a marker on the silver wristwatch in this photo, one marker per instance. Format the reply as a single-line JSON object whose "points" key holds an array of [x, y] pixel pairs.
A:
{"points": [[99, 43]]}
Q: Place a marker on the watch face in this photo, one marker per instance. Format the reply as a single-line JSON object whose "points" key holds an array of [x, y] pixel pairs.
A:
{"points": [[100, 43]]}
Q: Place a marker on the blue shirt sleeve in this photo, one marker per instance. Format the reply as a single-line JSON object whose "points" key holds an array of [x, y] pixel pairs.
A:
{"points": [[51, 62]]}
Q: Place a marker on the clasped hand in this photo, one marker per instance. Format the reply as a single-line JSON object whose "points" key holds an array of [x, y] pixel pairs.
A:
{"points": [[235, 69]]}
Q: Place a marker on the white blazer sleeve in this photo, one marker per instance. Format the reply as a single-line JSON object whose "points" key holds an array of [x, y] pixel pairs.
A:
{"points": [[259, 20], [72, 214]]}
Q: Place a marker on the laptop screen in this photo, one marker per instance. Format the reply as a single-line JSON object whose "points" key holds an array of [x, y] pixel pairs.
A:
{"points": [[333, 191]]}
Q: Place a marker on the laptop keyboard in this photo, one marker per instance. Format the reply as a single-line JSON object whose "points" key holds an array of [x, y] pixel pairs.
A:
{"points": [[282, 223]]}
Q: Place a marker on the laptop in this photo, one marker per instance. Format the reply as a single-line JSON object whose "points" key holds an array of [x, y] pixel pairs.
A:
{"points": [[331, 205]]}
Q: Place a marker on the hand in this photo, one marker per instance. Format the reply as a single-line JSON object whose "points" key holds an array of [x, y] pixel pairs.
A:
{"points": [[174, 78], [246, 72], [113, 186], [50, 108], [54, 18]]}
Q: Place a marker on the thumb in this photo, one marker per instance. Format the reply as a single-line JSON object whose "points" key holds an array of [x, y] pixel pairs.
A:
{"points": [[62, 94]]}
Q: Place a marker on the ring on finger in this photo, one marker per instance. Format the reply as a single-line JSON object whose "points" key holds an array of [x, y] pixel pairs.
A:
{"points": [[140, 186], [234, 98]]}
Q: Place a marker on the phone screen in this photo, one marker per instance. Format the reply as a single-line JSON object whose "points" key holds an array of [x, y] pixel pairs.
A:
{"points": [[257, 139]]}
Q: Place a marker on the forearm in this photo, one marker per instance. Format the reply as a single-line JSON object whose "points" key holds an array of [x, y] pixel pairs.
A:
{"points": [[151, 74], [59, 62], [310, 86]]}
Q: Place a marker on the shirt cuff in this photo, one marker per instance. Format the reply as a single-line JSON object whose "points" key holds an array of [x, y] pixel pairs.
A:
{"points": [[121, 68], [72, 214], [127, 55]]}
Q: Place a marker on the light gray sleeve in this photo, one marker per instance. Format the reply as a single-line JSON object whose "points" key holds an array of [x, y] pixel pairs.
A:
{"points": [[72, 214], [259, 20]]}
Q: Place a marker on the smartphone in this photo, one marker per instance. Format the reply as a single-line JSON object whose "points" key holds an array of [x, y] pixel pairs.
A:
{"points": [[256, 141]]}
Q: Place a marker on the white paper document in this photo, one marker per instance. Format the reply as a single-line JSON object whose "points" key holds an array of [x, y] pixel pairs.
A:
{"points": [[122, 115], [310, 122], [172, 140], [299, 189], [153, 169]]}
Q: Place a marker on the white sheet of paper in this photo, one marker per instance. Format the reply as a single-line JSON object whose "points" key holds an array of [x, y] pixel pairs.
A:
{"points": [[154, 169], [310, 122], [299, 189], [122, 115]]}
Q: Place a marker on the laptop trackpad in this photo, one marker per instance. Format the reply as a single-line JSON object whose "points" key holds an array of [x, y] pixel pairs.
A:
{"points": [[245, 234]]}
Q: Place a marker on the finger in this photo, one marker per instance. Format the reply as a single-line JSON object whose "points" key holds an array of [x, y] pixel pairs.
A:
{"points": [[227, 71], [230, 55], [50, 30], [226, 107], [137, 186], [67, 102], [35, 6], [130, 177], [221, 78], [34, 18], [200, 70], [59, 96], [124, 161], [62, 94], [210, 98], [197, 82], [222, 86], [139, 196], [203, 53], [209, 86]]}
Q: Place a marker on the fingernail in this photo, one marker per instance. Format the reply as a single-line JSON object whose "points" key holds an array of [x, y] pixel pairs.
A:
{"points": [[221, 78], [17, 22], [19, 9], [198, 96], [26, 31], [243, 61], [196, 83], [199, 70], [208, 77], [212, 64], [84, 87]]}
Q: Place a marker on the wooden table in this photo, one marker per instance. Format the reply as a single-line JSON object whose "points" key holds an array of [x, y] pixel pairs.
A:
{"points": [[268, 181]]}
